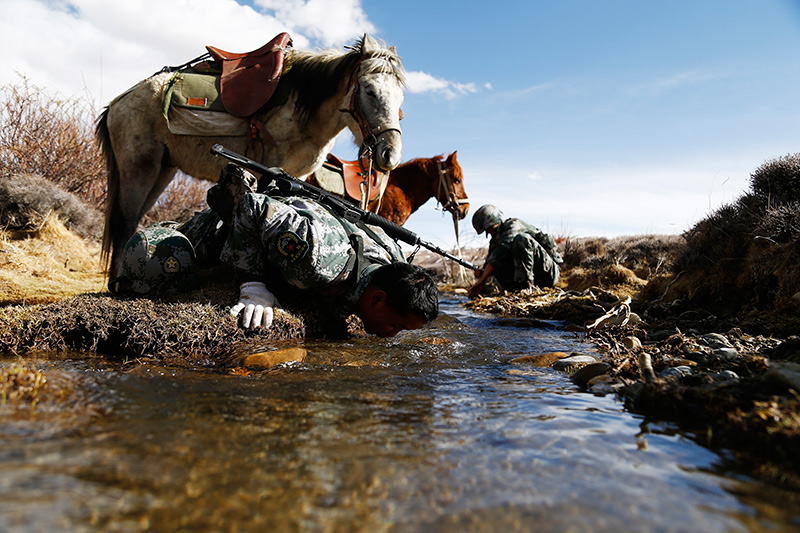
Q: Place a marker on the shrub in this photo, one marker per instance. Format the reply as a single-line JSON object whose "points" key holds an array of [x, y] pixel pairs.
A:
{"points": [[778, 180], [53, 137]]}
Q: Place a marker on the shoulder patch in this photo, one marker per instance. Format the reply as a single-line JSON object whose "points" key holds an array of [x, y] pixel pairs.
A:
{"points": [[291, 245]]}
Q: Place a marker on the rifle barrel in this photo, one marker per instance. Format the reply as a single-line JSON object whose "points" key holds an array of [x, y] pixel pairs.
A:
{"points": [[349, 212]]}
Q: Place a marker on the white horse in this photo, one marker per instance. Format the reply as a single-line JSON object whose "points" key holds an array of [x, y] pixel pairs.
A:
{"points": [[328, 91]]}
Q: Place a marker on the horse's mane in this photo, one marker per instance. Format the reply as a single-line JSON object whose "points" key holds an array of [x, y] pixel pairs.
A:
{"points": [[316, 76], [429, 165]]}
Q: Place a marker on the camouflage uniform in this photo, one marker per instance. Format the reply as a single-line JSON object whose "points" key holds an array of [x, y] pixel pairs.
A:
{"points": [[523, 256], [308, 246]]}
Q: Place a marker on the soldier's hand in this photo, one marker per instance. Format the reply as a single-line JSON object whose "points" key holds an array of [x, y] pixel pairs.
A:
{"points": [[255, 306]]}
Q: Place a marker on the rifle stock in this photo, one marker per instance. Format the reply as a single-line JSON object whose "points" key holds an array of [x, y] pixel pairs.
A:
{"points": [[350, 212]]}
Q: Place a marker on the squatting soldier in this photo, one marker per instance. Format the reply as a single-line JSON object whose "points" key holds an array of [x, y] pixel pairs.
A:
{"points": [[520, 255], [296, 240]]}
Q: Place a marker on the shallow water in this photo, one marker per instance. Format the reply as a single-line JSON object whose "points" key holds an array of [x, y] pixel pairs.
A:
{"points": [[364, 435]]}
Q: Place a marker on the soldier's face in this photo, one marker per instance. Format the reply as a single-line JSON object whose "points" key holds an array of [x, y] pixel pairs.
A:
{"points": [[380, 319]]}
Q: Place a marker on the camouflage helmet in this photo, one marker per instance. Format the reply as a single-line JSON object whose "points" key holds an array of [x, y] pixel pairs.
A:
{"points": [[485, 217], [157, 260]]}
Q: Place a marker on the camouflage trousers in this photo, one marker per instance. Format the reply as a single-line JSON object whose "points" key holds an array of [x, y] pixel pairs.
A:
{"points": [[532, 266]]}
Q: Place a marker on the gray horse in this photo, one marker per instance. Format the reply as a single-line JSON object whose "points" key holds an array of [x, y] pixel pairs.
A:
{"points": [[328, 91]]}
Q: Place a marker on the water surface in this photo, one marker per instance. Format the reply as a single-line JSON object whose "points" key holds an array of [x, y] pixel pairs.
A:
{"points": [[402, 434]]}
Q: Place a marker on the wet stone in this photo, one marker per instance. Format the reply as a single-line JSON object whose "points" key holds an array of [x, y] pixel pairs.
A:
{"points": [[543, 359], [726, 375], [582, 376], [675, 371], [725, 354], [272, 358], [573, 361], [715, 340], [604, 384]]}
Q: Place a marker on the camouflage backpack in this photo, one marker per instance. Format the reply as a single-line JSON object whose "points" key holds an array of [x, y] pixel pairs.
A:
{"points": [[157, 260]]}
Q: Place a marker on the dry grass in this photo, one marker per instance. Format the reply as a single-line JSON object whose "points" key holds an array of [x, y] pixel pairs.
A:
{"points": [[51, 136], [47, 265]]}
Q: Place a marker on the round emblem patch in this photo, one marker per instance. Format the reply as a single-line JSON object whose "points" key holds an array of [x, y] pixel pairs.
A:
{"points": [[171, 265], [290, 245]]}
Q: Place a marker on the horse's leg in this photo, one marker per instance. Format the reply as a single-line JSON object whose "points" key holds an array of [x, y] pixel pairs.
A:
{"points": [[142, 179]]}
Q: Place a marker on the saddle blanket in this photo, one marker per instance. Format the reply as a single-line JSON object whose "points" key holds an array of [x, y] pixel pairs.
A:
{"points": [[193, 106]]}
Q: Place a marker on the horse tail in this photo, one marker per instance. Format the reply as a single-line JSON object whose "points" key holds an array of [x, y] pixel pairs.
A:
{"points": [[112, 184]]}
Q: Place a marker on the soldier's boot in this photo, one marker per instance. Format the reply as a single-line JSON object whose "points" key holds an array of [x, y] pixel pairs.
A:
{"points": [[234, 182]]}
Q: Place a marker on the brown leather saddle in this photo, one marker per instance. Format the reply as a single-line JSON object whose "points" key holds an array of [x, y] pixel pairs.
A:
{"points": [[249, 79], [354, 179]]}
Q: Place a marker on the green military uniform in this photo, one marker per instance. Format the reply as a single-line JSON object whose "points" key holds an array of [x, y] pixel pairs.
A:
{"points": [[299, 240], [523, 256]]}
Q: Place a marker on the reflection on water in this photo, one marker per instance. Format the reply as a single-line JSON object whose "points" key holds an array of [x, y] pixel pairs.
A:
{"points": [[403, 434]]}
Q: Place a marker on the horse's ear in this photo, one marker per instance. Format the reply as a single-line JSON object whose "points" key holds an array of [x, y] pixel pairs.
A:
{"points": [[368, 44], [452, 156]]}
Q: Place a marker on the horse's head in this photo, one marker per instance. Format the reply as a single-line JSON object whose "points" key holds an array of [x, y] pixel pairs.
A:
{"points": [[450, 189], [375, 103]]}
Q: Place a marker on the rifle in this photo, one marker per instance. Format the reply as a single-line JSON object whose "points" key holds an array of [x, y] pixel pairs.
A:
{"points": [[288, 184]]}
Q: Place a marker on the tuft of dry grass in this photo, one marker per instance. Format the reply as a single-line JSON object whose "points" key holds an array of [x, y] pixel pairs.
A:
{"points": [[47, 265]]}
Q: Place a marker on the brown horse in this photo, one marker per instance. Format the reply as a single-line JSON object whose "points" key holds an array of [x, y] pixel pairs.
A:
{"points": [[413, 183], [323, 93]]}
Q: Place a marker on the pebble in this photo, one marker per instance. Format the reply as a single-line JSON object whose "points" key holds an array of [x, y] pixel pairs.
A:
{"points": [[542, 359], [632, 343], [272, 358], [675, 371], [573, 361], [715, 340], [582, 376], [604, 384], [726, 375], [726, 354]]}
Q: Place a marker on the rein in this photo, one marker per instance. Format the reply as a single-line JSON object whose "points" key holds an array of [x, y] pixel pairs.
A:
{"points": [[446, 185], [370, 136]]}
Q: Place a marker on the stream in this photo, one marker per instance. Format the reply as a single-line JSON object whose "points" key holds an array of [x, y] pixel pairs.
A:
{"points": [[405, 434]]}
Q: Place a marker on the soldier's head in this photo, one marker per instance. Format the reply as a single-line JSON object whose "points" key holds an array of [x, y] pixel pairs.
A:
{"points": [[157, 260], [399, 296], [486, 218]]}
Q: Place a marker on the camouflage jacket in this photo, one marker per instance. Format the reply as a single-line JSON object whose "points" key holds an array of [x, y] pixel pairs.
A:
{"points": [[500, 245], [306, 244]]}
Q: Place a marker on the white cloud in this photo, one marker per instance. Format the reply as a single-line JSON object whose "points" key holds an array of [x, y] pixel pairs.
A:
{"points": [[102, 48], [674, 81], [331, 23], [422, 82]]}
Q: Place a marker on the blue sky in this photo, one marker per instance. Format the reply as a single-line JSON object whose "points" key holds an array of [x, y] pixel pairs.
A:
{"points": [[585, 118]]}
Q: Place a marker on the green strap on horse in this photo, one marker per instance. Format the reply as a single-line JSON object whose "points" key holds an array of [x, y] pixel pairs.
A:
{"points": [[288, 184]]}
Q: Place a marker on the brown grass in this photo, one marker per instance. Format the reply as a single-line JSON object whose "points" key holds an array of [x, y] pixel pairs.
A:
{"points": [[47, 265], [52, 136]]}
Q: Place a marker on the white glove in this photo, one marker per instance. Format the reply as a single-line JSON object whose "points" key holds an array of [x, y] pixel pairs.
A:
{"points": [[257, 303]]}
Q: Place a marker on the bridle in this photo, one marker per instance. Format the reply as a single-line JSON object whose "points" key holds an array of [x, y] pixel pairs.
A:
{"points": [[446, 184], [371, 139]]}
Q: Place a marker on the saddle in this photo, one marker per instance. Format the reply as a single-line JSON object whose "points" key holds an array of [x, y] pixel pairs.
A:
{"points": [[353, 178], [249, 79]]}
